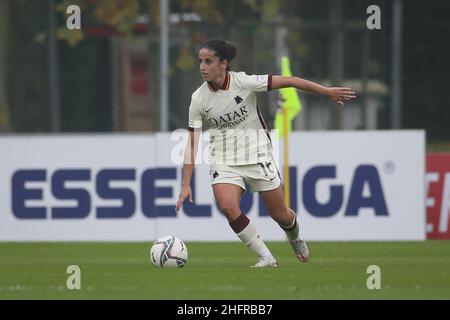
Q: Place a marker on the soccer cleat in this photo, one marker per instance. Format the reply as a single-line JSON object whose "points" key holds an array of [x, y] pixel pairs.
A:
{"points": [[301, 249], [264, 261]]}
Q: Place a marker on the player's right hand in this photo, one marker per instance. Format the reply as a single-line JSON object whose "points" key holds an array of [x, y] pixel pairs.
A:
{"points": [[185, 192]]}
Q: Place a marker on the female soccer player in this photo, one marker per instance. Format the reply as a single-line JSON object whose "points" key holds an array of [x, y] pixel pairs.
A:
{"points": [[240, 147]]}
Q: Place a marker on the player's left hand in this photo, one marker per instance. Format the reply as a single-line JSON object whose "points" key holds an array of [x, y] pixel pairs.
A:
{"points": [[341, 95], [186, 192]]}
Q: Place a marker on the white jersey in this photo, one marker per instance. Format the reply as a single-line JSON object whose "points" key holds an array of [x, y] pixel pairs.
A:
{"points": [[239, 134]]}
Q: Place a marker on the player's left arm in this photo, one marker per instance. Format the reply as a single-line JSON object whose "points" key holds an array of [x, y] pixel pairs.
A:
{"points": [[338, 94]]}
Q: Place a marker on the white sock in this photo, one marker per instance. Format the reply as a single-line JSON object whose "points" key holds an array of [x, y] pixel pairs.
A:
{"points": [[251, 238]]}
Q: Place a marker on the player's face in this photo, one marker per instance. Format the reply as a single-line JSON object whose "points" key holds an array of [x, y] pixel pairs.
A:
{"points": [[211, 68]]}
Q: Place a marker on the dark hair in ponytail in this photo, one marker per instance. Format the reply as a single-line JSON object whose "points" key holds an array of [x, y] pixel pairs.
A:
{"points": [[222, 49]]}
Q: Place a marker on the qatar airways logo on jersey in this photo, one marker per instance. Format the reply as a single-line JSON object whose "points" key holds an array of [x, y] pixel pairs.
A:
{"points": [[230, 146], [228, 120]]}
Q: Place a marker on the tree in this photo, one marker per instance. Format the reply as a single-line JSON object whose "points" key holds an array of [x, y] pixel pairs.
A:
{"points": [[4, 24], [119, 14]]}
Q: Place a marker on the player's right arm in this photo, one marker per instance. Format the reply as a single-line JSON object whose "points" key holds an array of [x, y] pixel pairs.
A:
{"points": [[190, 154]]}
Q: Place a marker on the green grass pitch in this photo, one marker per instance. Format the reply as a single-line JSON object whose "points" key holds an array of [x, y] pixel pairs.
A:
{"points": [[220, 270]]}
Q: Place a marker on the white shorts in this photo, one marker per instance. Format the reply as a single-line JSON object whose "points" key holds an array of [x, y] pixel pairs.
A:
{"points": [[259, 176]]}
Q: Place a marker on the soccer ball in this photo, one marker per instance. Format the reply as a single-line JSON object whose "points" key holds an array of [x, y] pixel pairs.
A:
{"points": [[168, 252]]}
